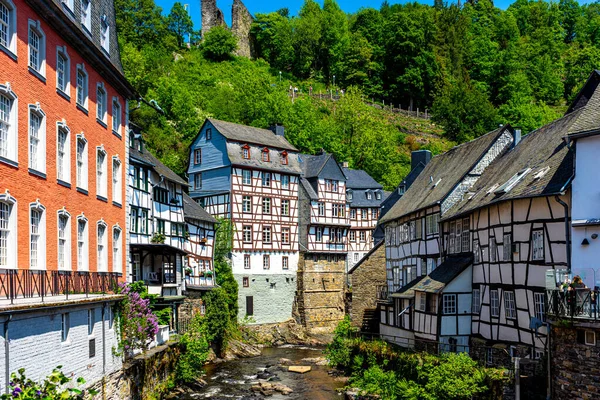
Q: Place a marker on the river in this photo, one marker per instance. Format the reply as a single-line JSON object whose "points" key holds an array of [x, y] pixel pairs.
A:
{"points": [[233, 379]]}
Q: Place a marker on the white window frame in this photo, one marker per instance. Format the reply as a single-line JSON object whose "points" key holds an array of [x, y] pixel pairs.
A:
{"points": [[266, 179], [352, 236], [246, 177], [267, 234], [285, 181], [65, 327], [422, 301], [285, 235], [83, 253], [476, 301], [266, 261], [117, 249], [539, 301], [321, 209], [105, 33], [285, 262], [466, 235], [101, 173], [494, 303], [37, 161], [81, 162], [101, 252], [63, 170], [510, 306], [69, 4], [198, 180], [91, 321], [449, 304], [83, 87], [117, 180], [246, 234], [8, 257], [101, 102], [285, 208], [591, 339], [66, 240], [10, 45], [319, 234], [36, 28], [40, 248], [537, 245], [246, 261], [86, 14], [61, 51], [247, 204], [266, 205], [9, 145], [476, 252], [117, 112]]}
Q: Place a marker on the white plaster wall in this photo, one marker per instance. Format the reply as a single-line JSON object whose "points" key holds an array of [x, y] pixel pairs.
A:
{"points": [[396, 335], [586, 185], [256, 263], [35, 344]]}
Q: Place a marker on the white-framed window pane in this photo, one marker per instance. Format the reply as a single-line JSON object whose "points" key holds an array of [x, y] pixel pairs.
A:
{"points": [[61, 72], [101, 247], [35, 124], [4, 25], [81, 249], [509, 305], [81, 88], [61, 153], [5, 210], [35, 232], [62, 240], [34, 50], [539, 302], [538, 245], [494, 303], [100, 103], [5, 109], [449, 304], [476, 301]]}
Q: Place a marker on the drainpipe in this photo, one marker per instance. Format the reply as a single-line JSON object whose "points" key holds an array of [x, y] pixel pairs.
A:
{"points": [[103, 341], [567, 229], [6, 354]]}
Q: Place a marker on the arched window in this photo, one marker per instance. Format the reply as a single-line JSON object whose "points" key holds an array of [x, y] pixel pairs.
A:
{"points": [[63, 153], [284, 158], [8, 28], [82, 87], [37, 236], [101, 103], [37, 49], [8, 231], [8, 124], [82, 243], [82, 162], [63, 71], [117, 250], [101, 169], [102, 247], [116, 180], [37, 138], [64, 240], [246, 152], [265, 155]]}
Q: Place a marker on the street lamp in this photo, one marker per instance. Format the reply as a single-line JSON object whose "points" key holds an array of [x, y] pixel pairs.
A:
{"points": [[279, 76], [334, 81]]}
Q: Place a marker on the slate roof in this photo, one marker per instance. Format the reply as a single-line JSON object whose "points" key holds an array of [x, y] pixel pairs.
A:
{"points": [[542, 150], [312, 165], [449, 168], [309, 189], [444, 273], [359, 179], [407, 291], [250, 134], [192, 209], [148, 158], [234, 152]]}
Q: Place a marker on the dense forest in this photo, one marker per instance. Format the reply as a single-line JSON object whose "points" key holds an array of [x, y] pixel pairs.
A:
{"points": [[474, 66]]}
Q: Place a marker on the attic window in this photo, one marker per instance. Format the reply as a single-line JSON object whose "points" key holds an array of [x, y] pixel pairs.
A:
{"points": [[512, 182], [265, 155], [378, 195], [246, 152], [349, 195], [369, 195], [541, 173], [284, 158], [208, 133]]}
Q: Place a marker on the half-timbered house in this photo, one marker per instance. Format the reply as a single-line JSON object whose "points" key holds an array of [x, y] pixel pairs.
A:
{"points": [[414, 244], [251, 176], [199, 244], [156, 221], [324, 225], [363, 196]]}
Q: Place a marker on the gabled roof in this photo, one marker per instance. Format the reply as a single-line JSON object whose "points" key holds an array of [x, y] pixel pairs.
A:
{"points": [[442, 174], [148, 158], [193, 210], [250, 134], [234, 152], [359, 179], [366, 256], [444, 274], [544, 152], [407, 291], [322, 165]]}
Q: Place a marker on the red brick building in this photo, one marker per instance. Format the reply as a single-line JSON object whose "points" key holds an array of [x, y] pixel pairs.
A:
{"points": [[63, 116]]}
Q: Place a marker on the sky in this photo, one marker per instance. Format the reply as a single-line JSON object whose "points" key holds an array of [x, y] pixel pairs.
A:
{"points": [[262, 6]]}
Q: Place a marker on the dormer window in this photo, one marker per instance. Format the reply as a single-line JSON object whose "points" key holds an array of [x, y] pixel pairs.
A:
{"points": [[369, 196], [349, 195], [265, 155], [378, 195], [246, 152], [284, 158]]}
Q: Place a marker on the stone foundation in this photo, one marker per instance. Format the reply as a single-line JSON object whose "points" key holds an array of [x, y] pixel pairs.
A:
{"points": [[575, 364], [365, 279], [321, 292]]}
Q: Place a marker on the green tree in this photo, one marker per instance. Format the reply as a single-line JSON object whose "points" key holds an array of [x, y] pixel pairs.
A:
{"points": [[180, 23], [219, 44]]}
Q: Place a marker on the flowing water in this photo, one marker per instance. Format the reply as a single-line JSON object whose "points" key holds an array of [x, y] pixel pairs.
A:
{"points": [[233, 379]]}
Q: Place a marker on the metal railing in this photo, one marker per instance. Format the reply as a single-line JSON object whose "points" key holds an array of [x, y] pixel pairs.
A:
{"points": [[26, 283], [575, 303]]}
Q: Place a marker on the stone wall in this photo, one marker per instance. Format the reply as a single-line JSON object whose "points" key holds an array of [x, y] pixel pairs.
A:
{"points": [[575, 364], [365, 279], [241, 21], [145, 377], [321, 291], [211, 16]]}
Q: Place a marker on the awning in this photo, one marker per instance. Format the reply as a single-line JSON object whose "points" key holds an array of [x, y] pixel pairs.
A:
{"points": [[158, 248]]}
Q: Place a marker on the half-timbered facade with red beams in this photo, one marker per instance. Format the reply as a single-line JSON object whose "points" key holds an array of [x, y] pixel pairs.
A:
{"points": [[324, 225], [364, 197], [413, 241], [251, 176]]}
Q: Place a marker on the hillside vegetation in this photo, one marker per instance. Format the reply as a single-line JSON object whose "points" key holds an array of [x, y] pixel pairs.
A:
{"points": [[474, 67]]}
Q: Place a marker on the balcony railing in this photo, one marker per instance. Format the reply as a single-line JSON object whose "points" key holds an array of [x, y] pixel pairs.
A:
{"points": [[26, 283], [576, 303]]}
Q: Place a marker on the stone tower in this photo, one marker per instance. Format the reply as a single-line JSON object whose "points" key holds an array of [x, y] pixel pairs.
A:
{"points": [[241, 21], [211, 15]]}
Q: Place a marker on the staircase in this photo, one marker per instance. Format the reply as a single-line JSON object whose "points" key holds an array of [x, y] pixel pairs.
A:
{"points": [[370, 322]]}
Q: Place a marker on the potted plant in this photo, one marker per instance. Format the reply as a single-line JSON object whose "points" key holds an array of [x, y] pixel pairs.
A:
{"points": [[188, 271], [158, 238], [208, 274]]}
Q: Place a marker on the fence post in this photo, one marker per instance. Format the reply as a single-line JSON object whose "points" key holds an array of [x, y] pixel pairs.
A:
{"points": [[425, 113], [417, 112]]}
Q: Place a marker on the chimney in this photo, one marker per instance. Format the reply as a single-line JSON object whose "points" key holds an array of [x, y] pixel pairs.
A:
{"points": [[345, 164], [279, 130], [516, 137], [419, 156]]}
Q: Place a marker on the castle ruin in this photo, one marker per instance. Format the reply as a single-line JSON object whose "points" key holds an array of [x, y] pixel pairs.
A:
{"points": [[241, 21]]}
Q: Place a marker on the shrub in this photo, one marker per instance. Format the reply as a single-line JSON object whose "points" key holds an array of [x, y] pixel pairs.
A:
{"points": [[138, 324], [21, 387], [338, 352], [195, 349]]}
